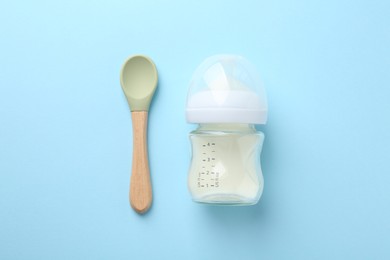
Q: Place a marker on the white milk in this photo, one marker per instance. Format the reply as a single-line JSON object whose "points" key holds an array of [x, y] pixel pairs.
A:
{"points": [[225, 165]]}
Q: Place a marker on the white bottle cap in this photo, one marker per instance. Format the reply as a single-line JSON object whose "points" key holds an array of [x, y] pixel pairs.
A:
{"points": [[226, 89]]}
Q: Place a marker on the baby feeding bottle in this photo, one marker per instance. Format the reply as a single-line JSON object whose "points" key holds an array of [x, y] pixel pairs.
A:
{"points": [[226, 98]]}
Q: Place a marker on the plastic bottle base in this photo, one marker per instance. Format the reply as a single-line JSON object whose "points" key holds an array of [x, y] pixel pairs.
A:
{"points": [[226, 200]]}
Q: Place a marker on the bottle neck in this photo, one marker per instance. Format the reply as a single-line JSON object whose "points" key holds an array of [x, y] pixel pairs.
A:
{"points": [[227, 127]]}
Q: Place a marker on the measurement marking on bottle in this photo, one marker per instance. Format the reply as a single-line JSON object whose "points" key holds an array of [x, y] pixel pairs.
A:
{"points": [[208, 177]]}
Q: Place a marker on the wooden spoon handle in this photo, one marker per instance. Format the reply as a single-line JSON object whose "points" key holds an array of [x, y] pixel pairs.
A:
{"points": [[140, 185]]}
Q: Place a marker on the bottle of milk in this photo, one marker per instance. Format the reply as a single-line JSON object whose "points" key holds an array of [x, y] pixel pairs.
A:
{"points": [[226, 99]]}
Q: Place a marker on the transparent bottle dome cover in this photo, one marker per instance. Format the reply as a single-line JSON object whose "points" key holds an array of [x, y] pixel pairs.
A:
{"points": [[226, 89]]}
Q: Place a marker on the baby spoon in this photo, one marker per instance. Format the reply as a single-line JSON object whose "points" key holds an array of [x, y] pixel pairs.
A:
{"points": [[139, 82]]}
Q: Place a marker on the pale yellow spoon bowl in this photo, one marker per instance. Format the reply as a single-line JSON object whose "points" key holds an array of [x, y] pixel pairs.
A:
{"points": [[139, 82]]}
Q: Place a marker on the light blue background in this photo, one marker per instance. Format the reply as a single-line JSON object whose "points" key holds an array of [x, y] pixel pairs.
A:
{"points": [[66, 136]]}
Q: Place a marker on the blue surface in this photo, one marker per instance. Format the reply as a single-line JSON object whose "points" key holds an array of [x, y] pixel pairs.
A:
{"points": [[66, 137]]}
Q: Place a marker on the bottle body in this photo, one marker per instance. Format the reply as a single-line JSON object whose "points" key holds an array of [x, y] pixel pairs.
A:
{"points": [[225, 166]]}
